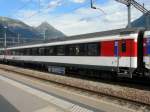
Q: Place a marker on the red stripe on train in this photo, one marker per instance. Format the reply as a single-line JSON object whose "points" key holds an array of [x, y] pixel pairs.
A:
{"points": [[107, 48]]}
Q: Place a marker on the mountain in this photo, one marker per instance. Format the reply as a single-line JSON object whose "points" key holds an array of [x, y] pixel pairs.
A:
{"points": [[49, 31], [17, 26], [142, 21], [14, 27]]}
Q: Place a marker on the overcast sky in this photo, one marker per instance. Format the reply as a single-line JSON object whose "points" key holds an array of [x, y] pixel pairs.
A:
{"points": [[70, 16]]}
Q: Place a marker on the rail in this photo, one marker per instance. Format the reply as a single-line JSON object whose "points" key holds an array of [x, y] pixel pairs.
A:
{"points": [[140, 96]]}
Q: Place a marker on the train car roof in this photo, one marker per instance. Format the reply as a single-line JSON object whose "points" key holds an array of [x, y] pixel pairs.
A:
{"points": [[124, 31]]}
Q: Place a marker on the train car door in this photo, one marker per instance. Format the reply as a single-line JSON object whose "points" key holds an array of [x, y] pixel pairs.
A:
{"points": [[148, 51], [116, 52], [123, 51]]}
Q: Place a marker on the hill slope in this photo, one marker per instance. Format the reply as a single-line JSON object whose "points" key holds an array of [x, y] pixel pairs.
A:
{"points": [[26, 31], [17, 26], [50, 31], [141, 21]]}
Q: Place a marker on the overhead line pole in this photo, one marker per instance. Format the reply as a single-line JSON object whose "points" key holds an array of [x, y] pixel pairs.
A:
{"points": [[128, 4], [129, 16], [137, 6], [39, 6]]}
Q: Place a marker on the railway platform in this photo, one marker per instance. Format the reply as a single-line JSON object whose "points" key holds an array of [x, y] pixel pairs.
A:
{"points": [[23, 94]]}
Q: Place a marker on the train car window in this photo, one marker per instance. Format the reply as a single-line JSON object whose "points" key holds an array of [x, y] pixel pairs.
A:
{"points": [[60, 50], [82, 50], [123, 45], [66, 50], [10, 52], [20, 52], [13, 52], [71, 50], [93, 49], [24, 52], [27, 51], [50, 51], [34, 51], [1, 52], [16, 52], [41, 51], [77, 50], [30, 51]]}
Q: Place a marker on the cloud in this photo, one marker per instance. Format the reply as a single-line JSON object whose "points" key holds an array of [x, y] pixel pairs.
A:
{"points": [[54, 3], [84, 19], [78, 1], [25, 13]]}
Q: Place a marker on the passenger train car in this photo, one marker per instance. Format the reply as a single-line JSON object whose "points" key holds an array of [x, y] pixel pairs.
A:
{"points": [[123, 52]]}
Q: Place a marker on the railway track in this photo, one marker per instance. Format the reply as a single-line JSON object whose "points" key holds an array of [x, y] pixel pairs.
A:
{"points": [[131, 97], [135, 82]]}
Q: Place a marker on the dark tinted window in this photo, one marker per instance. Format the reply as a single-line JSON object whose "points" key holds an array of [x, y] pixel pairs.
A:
{"points": [[41, 51], [88, 49], [28, 51], [60, 50], [34, 51], [72, 50], [93, 49], [77, 50], [1, 52], [82, 50], [124, 46], [16, 52], [13, 52], [50, 51], [21, 52]]}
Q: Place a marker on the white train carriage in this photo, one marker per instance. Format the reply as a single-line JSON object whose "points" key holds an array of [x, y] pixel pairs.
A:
{"points": [[119, 51]]}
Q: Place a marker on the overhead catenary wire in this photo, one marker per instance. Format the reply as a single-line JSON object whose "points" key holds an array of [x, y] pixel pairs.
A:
{"points": [[39, 5], [25, 5], [40, 12], [22, 7], [98, 8]]}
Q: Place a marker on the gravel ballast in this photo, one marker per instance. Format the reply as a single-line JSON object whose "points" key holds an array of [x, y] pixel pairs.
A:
{"points": [[137, 95]]}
